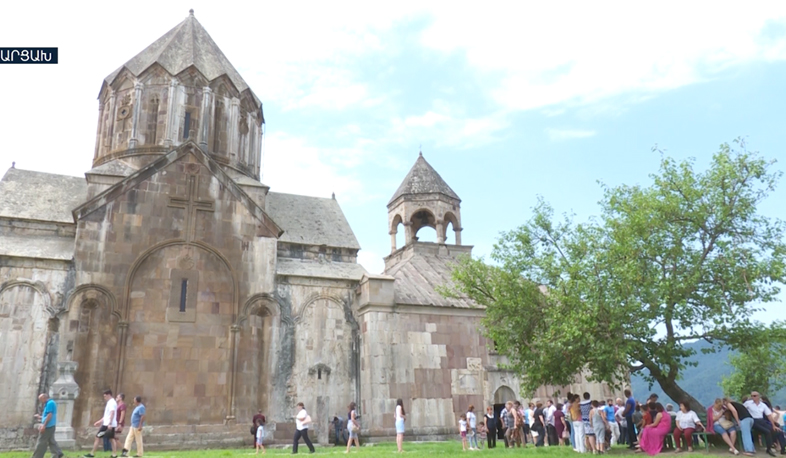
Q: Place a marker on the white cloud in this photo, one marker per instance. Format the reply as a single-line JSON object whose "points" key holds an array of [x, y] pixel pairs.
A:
{"points": [[545, 53], [445, 126], [371, 261], [569, 134], [293, 166]]}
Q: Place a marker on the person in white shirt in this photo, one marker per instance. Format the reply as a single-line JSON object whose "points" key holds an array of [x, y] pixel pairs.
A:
{"points": [[107, 425], [760, 412], [687, 422], [302, 420], [472, 432], [401, 415], [551, 432], [623, 424]]}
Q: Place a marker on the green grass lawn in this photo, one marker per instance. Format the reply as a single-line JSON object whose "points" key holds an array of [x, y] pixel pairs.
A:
{"points": [[412, 450]]}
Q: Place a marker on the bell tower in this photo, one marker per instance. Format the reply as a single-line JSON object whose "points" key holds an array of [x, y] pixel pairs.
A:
{"points": [[180, 88], [423, 200]]}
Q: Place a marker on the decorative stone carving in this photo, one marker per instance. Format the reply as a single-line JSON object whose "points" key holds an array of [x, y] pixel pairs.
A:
{"points": [[64, 391]]}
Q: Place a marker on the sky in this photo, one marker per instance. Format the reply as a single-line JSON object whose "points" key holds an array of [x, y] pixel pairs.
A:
{"points": [[508, 101]]}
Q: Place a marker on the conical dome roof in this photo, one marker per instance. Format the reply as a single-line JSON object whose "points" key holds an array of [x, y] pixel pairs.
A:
{"points": [[423, 179], [185, 45]]}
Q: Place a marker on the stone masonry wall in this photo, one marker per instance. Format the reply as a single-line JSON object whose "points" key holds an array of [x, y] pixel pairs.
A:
{"points": [[125, 323], [317, 354], [434, 362], [27, 288]]}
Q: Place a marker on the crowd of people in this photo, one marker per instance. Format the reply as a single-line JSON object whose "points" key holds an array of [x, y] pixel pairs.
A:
{"points": [[593, 426], [585, 424], [110, 427]]}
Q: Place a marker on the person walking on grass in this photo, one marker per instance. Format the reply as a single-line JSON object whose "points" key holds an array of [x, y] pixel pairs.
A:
{"points": [[121, 418], [463, 431], [135, 432], [302, 420], [260, 437], [46, 432], [509, 418], [107, 425], [352, 426], [401, 416], [472, 423]]}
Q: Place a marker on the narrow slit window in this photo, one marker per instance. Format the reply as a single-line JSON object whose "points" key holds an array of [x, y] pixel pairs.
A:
{"points": [[319, 374], [187, 125], [183, 294]]}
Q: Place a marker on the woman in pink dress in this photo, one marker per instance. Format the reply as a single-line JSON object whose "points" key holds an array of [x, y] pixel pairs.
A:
{"points": [[652, 436]]}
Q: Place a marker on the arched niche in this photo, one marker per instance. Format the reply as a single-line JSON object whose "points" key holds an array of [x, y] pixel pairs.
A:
{"points": [[24, 316], [93, 309], [180, 305], [259, 329], [323, 358]]}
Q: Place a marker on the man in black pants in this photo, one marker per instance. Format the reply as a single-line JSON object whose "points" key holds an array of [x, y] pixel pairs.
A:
{"points": [[761, 413], [302, 420], [630, 407], [491, 427]]}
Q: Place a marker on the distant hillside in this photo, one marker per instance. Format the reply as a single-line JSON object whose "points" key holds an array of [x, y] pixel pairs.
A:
{"points": [[702, 381]]}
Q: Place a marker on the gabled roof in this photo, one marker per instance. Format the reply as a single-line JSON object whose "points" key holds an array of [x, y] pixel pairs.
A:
{"points": [[39, 196], [133, 180], [423, 179], [419, 275], [311, 220], [186, 45]]}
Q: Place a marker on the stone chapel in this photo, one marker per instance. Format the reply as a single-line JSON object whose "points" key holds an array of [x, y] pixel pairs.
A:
{"points": [[171, 272]]}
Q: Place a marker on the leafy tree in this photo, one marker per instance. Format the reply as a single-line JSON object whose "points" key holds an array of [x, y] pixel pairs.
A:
{"points": [[761, 368], [685, 258]]}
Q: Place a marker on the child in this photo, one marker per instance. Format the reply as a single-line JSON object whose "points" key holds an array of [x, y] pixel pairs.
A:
{"points": [[260, 435], [481, 434], [463, 431]]}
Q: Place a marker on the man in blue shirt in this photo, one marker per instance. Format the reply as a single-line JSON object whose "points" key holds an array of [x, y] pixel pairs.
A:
{"points": [[47, 429], [135, 432], [630, 407]]}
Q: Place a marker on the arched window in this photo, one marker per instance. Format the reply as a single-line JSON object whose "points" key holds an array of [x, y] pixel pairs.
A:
{"points": [[152, 123], [218, 127]]}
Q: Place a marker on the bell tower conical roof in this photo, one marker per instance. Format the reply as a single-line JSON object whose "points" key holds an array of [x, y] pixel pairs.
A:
{"points": [[423, 179]]}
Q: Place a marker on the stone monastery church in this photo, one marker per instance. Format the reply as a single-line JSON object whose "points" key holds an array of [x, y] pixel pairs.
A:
{"points": [[171, 272]]}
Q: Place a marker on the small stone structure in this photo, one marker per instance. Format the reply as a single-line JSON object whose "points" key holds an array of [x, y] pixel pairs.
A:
{"points": [[171, 272], [64, 391]]}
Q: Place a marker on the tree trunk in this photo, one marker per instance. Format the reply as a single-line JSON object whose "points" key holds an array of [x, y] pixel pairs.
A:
{"points": [[676, 393]]}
